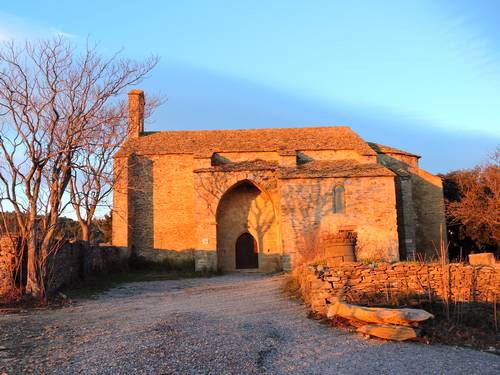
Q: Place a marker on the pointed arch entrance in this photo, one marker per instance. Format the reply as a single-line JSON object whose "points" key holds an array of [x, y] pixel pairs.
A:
{"points": [[246, 229]]}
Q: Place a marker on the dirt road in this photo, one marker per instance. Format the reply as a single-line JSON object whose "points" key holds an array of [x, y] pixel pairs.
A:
{"points": [[233, 324]]}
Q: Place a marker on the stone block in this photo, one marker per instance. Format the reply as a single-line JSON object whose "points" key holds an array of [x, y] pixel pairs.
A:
{"points": [[388, 332], [482, 259]]}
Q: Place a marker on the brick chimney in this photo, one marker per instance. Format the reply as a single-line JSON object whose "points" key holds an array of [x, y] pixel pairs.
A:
{"points": [[135, 113]]}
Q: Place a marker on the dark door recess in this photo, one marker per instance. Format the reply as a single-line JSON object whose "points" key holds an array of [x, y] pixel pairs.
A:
{"points": [[247, 255]]}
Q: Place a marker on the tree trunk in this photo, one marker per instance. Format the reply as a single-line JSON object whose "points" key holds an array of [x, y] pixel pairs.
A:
{"points": [[85, 231], [32, 282]]}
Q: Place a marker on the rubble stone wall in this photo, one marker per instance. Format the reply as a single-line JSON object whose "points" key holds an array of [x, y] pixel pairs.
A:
{"points": [[358, 283], [73, 263], [77, 261], [7, 263]]}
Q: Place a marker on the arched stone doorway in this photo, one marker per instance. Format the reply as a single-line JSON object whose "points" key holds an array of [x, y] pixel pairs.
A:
{"points": [[246, 252], [245, 209]]}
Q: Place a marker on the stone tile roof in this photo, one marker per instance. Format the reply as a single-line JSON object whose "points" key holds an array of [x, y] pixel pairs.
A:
{"points": [[282, 140], [335, 168], [313, 169], [381, 149], [251, 165]]}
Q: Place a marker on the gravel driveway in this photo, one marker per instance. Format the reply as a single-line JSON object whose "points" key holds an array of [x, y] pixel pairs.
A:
{"points": [[233, 324]]}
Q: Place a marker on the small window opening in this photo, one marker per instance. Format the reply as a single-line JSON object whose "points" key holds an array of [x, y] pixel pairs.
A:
{"points": [[338, 199]]}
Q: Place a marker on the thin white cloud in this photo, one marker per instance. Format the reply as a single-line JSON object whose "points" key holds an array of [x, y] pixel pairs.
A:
{"points": [[17, 28], [55, 31]]}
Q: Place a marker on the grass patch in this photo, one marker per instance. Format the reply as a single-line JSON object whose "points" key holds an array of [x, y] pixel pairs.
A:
{"points": [[137, 263], [291, 287], [470, 325], [96, 285]]}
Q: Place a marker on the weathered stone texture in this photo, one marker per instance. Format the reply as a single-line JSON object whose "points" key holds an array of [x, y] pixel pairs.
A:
{"points": [[181, 199], [429, 206], [482, 259], [215, 190], [8, 247], [244, 156], [246, 209], [406, 217], [71, 264], [320, 285], [173, 206], [121, 199], [77, 261], [328, 155], [136, 113], [421, 206], [141, 191], [172, 211], [159, 208], [370, 211]]}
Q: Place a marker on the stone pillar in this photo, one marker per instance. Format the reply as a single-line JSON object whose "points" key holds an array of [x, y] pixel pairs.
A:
{"points": [[135, 113]]}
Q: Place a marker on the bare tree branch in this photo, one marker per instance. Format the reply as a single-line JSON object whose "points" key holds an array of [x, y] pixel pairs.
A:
{"points": [[58, 107]]}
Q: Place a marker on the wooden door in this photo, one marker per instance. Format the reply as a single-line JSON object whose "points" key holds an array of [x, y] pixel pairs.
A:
{"points": [[247, 255]]}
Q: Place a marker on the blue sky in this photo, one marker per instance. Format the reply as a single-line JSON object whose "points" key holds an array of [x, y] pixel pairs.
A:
{"points": [[423, 75]]}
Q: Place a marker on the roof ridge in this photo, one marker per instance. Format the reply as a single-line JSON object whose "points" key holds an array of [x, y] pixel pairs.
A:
{"points": [[248, 129], [382, 149]]}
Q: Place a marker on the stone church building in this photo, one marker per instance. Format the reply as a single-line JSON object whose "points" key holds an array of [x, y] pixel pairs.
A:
{"points": [[268, 199]]}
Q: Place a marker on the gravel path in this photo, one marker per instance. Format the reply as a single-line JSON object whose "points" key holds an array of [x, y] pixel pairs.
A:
{"points": [[234, 324]]}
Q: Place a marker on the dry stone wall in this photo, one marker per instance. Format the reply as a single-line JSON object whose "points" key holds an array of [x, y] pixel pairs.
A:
{"points": [[7, 263], [73, 263], [360, 283], [77, 261]]}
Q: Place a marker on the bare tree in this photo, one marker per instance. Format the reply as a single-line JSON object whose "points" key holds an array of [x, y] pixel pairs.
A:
{"points": [[94, 174], [91, 179], [53, 100]]}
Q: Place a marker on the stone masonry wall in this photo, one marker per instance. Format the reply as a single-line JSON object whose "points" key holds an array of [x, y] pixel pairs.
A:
{"points": [[429, 207], [336, 155], [370, 210], [421, 206], [406, 218], [7, 263], [120, 229], [77, 261], [246, 209], [244, 156], [169, 212], [160, 208], [358, 283], [211, 188], [174, 222], [73, 263]]}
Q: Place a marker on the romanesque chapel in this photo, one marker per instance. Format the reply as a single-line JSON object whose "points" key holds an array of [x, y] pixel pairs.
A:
{"points": [[268, 199]]}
